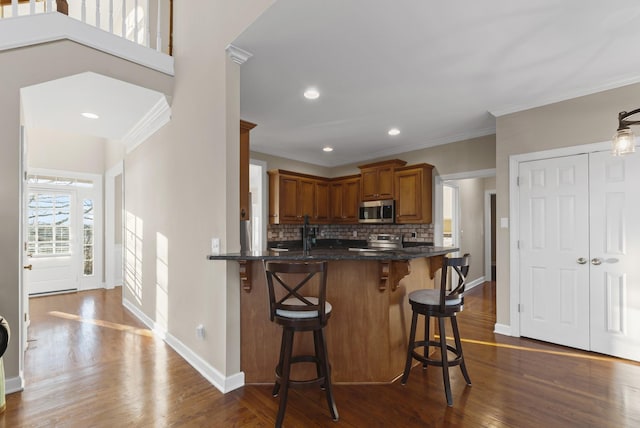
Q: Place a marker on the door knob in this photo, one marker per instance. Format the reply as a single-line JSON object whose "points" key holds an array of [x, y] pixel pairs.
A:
{"points": [[582, 261], [28, 267], [596, 261]]}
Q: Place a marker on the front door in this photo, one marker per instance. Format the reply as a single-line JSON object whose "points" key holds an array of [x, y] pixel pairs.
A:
{"points": [[554, 244], [615, 255], [51, 249]]}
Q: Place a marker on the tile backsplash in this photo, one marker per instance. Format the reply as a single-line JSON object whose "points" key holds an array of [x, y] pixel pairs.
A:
{"points": [[291, 232]]}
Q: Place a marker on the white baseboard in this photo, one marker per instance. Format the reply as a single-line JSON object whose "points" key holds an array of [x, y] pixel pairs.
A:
{"points": [[13, 384], [473, 283], [503, 329], [217, 379]]}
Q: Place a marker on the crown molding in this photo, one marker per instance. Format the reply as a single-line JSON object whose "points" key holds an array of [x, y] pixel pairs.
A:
{"points": [[237, 55], [156, 118]]}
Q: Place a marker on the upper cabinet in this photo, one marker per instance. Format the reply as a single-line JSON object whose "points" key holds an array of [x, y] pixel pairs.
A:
{"points": [[377, 180], [345, 199], [337, 200], [293, 195], [413, 185]]}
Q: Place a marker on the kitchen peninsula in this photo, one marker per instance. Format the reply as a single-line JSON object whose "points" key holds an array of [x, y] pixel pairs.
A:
{"points": [[370, 320]]}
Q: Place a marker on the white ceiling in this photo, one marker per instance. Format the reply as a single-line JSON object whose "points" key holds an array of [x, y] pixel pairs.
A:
{"points": [[58, 104], [437, 70]]}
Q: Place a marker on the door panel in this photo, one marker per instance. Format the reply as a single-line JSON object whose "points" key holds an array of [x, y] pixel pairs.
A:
{"points": [[614, 252], [553, 237], [50, 243]]}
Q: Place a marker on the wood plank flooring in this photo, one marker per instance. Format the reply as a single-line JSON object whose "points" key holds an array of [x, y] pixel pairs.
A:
{"points": [[91, 364]]}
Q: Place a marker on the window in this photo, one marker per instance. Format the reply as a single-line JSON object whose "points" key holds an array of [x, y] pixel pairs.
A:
{"points": [[88, 229], [49, 223]]}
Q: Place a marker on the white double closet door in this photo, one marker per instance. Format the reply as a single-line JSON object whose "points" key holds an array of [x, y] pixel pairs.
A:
{"points": [[579, 244]]}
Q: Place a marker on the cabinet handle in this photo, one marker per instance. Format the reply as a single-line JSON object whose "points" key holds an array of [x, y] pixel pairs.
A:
{"points": [[596, 261], [582, 261]]}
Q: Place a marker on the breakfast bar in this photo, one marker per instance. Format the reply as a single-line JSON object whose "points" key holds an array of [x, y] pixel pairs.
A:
{"points": [[370, 320]]}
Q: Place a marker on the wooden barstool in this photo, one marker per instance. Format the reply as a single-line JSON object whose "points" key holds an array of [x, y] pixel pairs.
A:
{"points": [[295, 311], [439, 303]]}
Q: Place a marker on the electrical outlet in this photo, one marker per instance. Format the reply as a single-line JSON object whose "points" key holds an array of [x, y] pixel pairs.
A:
{"points": [[355, 233], [414, 235], [281, 234]]}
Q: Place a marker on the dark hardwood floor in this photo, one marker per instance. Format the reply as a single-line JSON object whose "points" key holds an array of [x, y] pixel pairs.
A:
{"points": [[91, 364]]}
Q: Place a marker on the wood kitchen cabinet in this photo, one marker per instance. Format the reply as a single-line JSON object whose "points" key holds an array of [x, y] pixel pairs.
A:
{"points": [[322, 205], [345, 199], [377, 180], [413, 186], [245, 209], [292, 195]]}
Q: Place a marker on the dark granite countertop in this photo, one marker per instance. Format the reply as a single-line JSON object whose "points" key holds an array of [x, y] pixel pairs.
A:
{"points": [[341, 253]]}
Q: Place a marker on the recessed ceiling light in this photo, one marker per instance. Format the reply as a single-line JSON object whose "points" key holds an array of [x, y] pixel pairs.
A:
{"points": [[311, 94], [393, 131], [90, 115], [327, 149]]}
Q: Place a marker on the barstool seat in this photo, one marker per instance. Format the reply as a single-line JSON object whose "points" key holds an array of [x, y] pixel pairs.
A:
{"points": [[439, 303], [297, 312]]}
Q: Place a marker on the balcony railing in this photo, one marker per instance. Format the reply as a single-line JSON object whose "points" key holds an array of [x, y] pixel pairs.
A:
{"points": [[146, 22]]}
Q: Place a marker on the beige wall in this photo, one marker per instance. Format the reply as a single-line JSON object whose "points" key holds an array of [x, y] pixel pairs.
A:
{"points": [[275, 162], [20, 68], [182, 189], [584, 120], [471, 192], [53, 149], [114, 153], [463, 156]]}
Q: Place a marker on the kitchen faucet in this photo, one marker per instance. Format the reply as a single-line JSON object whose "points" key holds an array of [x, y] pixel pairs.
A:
{"points": [[306, 243]]}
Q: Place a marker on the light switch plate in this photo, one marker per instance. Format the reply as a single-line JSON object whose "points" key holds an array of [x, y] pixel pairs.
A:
{"points": [[504, 222], [215, 246]]}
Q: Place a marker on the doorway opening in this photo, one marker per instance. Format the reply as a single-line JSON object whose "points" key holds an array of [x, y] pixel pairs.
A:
{"points": [[258, 203]]}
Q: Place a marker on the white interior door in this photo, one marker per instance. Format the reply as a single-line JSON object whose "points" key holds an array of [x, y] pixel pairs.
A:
{"points": [[615, 255], [554, 242]]}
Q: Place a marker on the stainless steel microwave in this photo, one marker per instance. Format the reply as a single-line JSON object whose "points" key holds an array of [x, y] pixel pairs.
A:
{"points": [[377, 211]]}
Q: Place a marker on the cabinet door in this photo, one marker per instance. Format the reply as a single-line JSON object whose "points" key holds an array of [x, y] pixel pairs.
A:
{"points": [[413, 194], [351, 201], [322, 203], [369, 185], [306, 199], [336, 190], [288, 205], [408, 206], [385, 183]]}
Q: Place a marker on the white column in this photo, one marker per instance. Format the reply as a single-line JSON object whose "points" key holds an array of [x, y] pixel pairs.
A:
{"points": [[49, 6], [111, 16], [124, 18], [158, 27], [97, 13], [14, 8], [135, 24], [32, 7]]}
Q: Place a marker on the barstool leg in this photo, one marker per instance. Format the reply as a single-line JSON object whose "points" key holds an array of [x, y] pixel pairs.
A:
{"points": [[456, 335], [412, 338], [318, 350], [286, 371], [445, 361], [326, 368], [427, 338], [276, 386]]}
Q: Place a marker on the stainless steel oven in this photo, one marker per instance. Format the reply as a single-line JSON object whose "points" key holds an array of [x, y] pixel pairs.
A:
{"points": [[377, 211]]}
